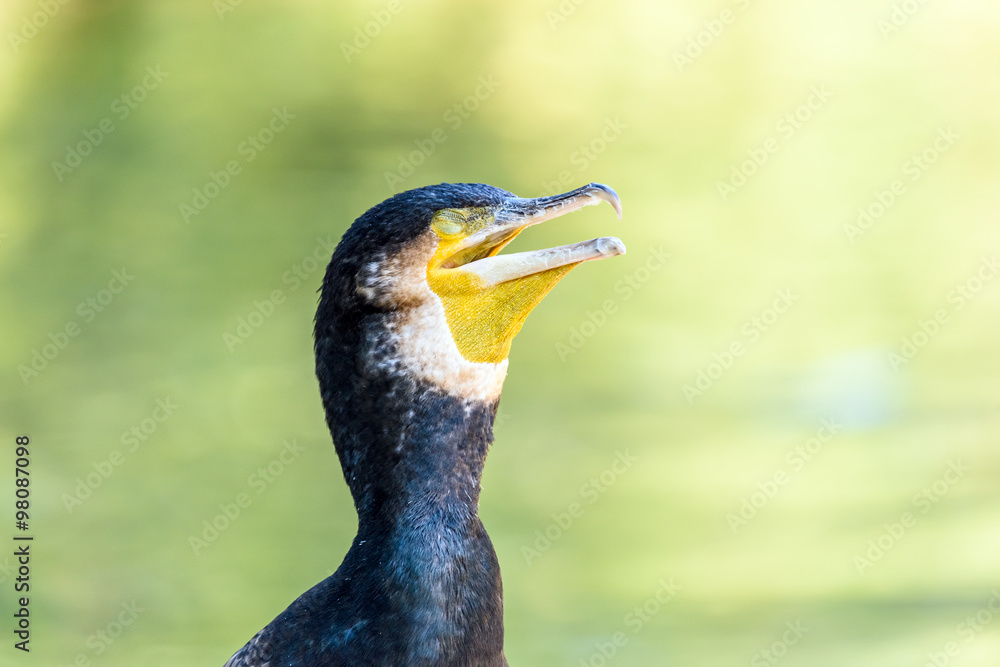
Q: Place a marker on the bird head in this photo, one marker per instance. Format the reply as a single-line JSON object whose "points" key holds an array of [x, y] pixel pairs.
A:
{"points": [[429, 260]]}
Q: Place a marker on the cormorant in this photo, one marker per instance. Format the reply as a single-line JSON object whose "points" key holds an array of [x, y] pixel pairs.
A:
{"points": [[416, 316]]}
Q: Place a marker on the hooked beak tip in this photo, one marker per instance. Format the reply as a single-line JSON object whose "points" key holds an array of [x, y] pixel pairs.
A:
{"points": [[606, 193]]}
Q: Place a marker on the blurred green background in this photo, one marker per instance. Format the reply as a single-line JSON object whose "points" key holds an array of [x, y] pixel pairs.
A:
{"points": [[743, 138]]}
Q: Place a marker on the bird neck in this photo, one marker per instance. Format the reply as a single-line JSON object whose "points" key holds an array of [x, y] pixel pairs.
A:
{"points": [[426, 472], [412, 454], [411, 451], [413, 458]]}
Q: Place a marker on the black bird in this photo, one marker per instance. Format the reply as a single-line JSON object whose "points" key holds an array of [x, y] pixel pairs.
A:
{"points": [[416, 316]]}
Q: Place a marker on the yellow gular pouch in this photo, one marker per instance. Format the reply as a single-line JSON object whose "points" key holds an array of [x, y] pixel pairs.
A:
{"points": [[483, 318]]}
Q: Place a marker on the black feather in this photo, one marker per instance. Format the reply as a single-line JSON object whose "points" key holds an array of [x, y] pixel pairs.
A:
{"points": [[420, 584]]}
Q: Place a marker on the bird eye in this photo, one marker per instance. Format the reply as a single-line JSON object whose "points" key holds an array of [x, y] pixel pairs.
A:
{"points": [[448, 223]]}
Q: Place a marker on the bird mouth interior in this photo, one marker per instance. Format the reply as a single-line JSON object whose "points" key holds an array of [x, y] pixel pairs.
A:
{"points": [[488, 248]]}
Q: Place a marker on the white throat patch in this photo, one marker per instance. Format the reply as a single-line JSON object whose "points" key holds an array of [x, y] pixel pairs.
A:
{"points": [[418, 327], [426, 348]]}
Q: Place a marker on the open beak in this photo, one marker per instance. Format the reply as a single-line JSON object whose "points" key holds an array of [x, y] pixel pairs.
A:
{"points": [[477, 253], [486, 296]]}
